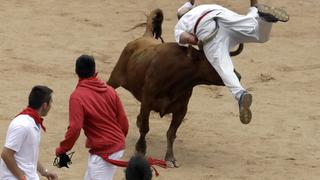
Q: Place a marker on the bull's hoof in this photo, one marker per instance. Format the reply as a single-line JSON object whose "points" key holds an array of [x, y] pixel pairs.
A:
{"points": [[172, 164]]}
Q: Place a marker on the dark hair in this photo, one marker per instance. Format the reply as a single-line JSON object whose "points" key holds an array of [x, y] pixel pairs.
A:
{"points": [[38, 96], [85, 66], [138, 169]]}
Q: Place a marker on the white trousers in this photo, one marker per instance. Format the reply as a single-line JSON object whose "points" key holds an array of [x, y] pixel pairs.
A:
{"points": [[99, 169], [233, 29]]}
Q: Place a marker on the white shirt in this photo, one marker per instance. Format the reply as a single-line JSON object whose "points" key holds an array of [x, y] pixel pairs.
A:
{"points": [[188, 21], [23, 136]]}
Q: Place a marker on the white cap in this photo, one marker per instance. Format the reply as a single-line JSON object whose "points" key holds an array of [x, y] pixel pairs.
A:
{"points": [[184, 9]]}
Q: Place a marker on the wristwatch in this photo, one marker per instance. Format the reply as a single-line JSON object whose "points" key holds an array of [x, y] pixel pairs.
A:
{"points": [[46, 172]]}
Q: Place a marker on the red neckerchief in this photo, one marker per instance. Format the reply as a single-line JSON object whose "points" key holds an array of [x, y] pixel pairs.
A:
{"points": [[32, 113]]}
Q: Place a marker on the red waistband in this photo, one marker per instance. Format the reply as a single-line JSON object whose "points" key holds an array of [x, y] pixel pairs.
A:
{"points": [[198, 21], [152, 162]]}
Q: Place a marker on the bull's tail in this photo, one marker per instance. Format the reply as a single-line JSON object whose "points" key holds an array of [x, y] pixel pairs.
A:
{"points": [[154, 22]]}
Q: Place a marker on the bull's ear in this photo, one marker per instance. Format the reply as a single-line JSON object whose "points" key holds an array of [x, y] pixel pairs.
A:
{"points": [[195, 54], [190, 51]]}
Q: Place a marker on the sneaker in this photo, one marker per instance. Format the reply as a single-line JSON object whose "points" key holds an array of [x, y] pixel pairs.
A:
{"points": [[244, 107], [271, 14]]}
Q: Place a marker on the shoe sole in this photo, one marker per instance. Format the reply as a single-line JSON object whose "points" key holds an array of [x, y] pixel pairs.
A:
{"points": [[273, 13], [245, 112]]}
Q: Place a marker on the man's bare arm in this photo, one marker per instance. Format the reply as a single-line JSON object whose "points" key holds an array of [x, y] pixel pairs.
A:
{"points": [[8, 157], [187, 38], [41, 169]]}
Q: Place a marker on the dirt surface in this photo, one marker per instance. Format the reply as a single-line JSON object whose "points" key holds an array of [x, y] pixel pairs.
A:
{"points": [[41, 39]]}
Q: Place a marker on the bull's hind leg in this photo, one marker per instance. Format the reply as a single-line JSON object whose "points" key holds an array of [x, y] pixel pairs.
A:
{"points": [[177, 118], [143, 124]]}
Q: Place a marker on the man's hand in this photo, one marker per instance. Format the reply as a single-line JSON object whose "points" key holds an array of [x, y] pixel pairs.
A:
{"points": [[45, 173], [51, 176], [188, 38], [22, 178]]}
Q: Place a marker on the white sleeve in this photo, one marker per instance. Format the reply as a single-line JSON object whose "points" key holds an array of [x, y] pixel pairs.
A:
{"points": [[15, 137], [179, 29]]}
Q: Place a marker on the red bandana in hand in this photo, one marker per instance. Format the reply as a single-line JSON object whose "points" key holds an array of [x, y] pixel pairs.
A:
{"points": [[32, 113]]}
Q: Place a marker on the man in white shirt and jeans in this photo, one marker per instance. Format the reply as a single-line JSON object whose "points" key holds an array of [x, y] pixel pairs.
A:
{"points": [[19, 157], [219, 30]]}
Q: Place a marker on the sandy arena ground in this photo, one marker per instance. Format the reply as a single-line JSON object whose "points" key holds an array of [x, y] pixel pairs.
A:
{"points": [[40, 39]]}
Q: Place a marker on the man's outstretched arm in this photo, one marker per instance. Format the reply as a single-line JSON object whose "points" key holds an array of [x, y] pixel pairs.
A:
{"points": [[187, 38], [76, 117]]}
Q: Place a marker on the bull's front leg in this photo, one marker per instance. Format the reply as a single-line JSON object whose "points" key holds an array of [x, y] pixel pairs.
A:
{"points": [[177, 118], [143, 125]]}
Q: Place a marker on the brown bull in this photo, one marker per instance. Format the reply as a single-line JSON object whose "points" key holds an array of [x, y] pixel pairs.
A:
{"points": [[161, 76]]}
